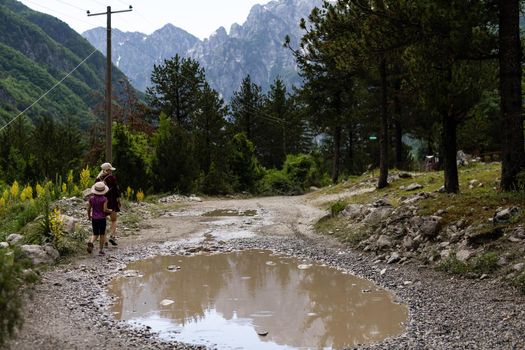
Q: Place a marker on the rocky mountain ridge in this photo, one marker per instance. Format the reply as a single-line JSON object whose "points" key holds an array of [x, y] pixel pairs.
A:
{"points": [[254, 48]]}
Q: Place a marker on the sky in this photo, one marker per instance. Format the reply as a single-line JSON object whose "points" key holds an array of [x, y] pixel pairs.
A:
{"points": [[198, 17]]}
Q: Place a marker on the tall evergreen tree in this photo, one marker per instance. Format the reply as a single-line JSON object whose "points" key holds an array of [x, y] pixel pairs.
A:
{"points": [[510, 68], [210, 128], [175, 89], [246, 106]]}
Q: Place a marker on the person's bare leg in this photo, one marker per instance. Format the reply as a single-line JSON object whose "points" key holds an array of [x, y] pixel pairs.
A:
{"points": [[113, 229], [102, 241]]}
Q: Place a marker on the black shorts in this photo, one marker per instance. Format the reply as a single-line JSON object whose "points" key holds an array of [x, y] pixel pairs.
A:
{"points": [[99, 227]]}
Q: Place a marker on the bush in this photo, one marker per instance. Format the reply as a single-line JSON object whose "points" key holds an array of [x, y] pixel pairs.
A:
{"points": [[454, 266], [302, 170], [10, 296], [337, 207], [486, 263], [216, 181], [276, 182]]}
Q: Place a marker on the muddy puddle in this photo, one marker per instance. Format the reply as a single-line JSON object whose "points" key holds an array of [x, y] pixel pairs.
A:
{"points": [[230, 212], [254, 300]]}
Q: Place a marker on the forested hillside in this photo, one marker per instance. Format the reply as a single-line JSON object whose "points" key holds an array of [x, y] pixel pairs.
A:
{"points": [[37, 51]]}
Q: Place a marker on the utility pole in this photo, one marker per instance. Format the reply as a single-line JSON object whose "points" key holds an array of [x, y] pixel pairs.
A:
{"points": [[109, 118]]}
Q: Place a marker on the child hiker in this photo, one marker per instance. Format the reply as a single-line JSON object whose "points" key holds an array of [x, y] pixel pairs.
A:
{"points": [[97, 211]]}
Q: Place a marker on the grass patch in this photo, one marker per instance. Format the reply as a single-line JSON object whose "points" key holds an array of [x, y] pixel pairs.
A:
{"points": [[484, 264]]}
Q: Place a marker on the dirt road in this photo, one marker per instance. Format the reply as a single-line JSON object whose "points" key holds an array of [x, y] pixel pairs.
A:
{"points": [[69, 309]]}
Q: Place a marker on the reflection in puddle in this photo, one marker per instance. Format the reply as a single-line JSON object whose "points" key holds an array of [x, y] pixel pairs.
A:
{"points": [[231, 212], [227, 300]]}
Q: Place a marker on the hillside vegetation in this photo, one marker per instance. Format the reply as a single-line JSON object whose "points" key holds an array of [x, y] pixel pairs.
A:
{"points": [[36, 51], [477, 233]]}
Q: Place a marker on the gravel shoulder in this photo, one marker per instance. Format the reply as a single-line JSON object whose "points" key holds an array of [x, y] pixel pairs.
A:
{"points": [[69, 308]]}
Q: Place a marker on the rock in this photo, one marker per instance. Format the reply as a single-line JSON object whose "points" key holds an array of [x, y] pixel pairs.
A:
{"points": [[355, 211], [413, 186], [4, 245], [481, 234], [173, 268], [519, 232], [464, 254], [381, 203], [518, 267], [40, 254], [405, 175], [445, 254], [414, 198], [409, 243], [166, 302], [195, 199], [313, 188], [86, 194], [393, 258], [378, 215], [441, 189], [429, 226], [473, 183], [14, 238], [502, 261], [383, 242], [382, 272], [70, 224], [505, 215]]}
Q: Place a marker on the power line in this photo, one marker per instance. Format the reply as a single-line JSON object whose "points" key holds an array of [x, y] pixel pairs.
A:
{"points": [[58, 12], [70, 5], [48, 91]]}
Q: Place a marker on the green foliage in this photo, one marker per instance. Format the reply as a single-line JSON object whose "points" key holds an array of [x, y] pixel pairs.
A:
{"points": [[131, 154], [244, 166], [276, 182], [485, 263], [216, 181], [302, 170], [174, 167], [454, 266], [337, 207], [11, 280], [175, 90]]}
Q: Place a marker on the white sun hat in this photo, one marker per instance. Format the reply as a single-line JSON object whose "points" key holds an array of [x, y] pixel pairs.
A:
{"points": [[107, 166], [99, 188]]}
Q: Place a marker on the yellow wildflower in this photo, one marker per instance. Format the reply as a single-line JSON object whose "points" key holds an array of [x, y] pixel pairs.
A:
{"points": [[40, 191], [140, 196], [14, 189], [85, 178]]}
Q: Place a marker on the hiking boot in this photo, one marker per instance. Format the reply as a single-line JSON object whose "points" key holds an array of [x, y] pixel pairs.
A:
{"points": [[112, 240], [89, 247], [101, 253]]}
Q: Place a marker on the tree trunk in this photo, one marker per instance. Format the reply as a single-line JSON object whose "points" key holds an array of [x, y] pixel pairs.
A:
{"points": [[337, 154], [397, 126], [513, 153], [399, 143], [450, 154], [383, 139], [350, 150]]}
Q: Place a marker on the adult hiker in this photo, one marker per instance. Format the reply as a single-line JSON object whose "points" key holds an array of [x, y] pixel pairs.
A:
{"points": [[113, 196]]}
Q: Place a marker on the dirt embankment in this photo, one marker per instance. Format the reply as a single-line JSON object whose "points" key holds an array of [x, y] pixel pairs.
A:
{"points": [[69, 308]]}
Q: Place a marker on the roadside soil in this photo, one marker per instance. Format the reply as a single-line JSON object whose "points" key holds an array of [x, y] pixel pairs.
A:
{"points": [[68, 309]]}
